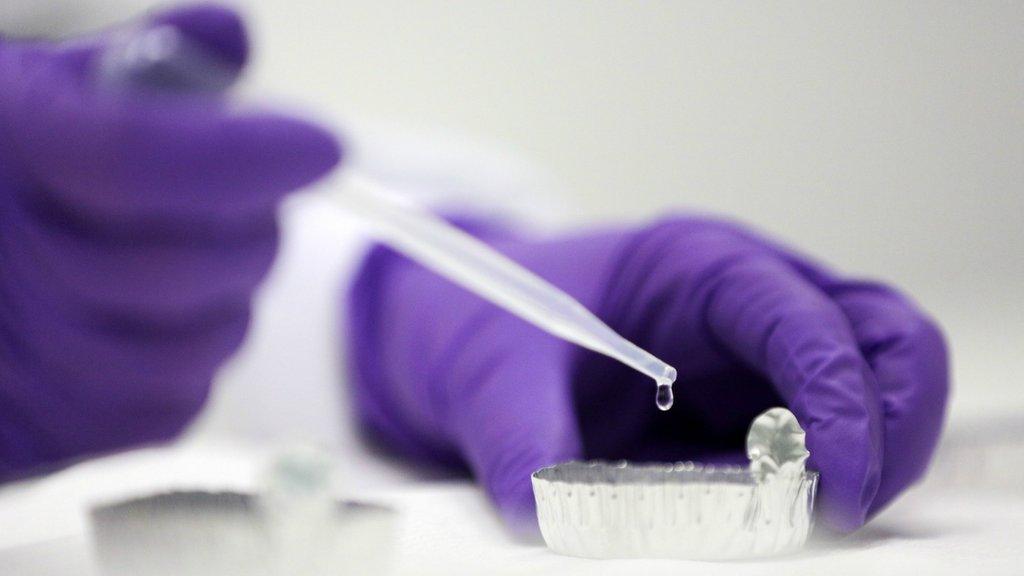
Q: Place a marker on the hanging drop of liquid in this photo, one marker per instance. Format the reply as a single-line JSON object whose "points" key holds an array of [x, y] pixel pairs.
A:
{"points": [[664, 397]]}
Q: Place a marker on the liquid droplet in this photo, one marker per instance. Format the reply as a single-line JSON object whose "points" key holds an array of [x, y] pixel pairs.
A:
{"points": [[664, 397]]}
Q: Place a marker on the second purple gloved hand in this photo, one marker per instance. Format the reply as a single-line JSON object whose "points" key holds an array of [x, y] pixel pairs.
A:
{"points": [[134, 227], [442, 375]]}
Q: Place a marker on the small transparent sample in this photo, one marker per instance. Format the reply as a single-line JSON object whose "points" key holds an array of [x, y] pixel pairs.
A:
{"points": [[776, 444], [683, 510], [293, 527]]}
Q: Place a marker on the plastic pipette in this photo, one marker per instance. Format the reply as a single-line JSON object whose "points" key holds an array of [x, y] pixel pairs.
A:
{"points": [[411, 230], [474, 265]]}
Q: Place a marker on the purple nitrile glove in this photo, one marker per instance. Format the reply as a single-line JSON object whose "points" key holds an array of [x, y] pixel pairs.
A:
{"points": [[135, 225], [445, 376]]}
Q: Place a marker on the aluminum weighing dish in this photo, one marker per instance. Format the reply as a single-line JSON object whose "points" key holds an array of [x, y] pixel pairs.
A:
{"points": [[684, 510]]}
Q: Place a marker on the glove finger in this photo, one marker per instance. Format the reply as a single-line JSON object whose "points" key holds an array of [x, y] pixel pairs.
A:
{"points": [[119, 163], [80, 389], [199, 47], [217, 29], [512, 413], [760, 309], [161, 319], [907, 353], [162, 284], [77, 388]]}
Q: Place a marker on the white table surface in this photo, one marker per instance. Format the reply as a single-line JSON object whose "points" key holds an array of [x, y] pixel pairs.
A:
{"points": [[951, 525]]}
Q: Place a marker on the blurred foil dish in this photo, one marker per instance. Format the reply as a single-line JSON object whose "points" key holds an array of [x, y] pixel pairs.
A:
{"points": [[191, 533]]}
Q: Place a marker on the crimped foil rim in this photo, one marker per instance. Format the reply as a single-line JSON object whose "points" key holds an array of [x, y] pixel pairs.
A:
{"points": [[625, 472]]}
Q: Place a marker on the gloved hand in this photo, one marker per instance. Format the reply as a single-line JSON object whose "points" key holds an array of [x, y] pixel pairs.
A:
{"points": [[135, 225], [442, 375]]}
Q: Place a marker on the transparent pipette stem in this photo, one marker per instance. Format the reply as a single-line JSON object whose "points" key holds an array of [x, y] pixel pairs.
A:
{"points": [[474, 265], [163, 57]]}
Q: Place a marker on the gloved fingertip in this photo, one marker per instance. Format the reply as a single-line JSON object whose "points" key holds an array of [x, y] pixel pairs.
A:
{"points": [[846, 496], [317, 150], [523, 529], [507, 477], [218, 29], [284, 152], [505, 458], [840, 519], [517, 508]]}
